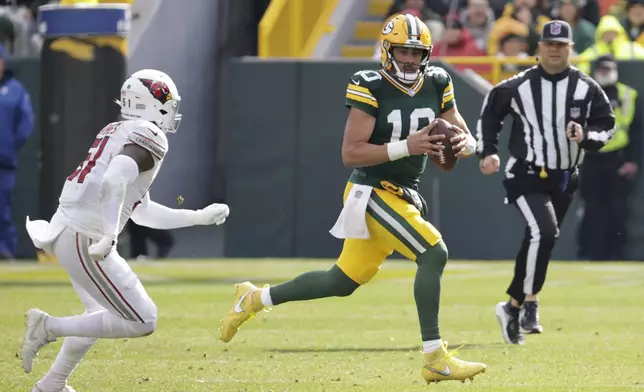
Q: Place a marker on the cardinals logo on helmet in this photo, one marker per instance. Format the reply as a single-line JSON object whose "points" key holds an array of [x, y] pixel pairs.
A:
{"points": [[159, 90]]}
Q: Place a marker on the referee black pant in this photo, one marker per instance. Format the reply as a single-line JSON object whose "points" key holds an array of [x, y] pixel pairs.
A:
{"points": [[543, 203]]}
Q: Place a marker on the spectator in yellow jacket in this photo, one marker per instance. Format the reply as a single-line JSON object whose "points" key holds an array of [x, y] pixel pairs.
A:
{"points": [[515, 25], [519, 15], [610, 38]]}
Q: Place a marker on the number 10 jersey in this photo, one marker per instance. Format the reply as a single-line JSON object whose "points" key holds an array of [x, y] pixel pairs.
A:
{"points": [[80, 200]]}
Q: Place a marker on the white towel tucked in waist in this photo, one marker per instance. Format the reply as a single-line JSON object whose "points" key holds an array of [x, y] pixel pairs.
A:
{"points": [[352, 221]]}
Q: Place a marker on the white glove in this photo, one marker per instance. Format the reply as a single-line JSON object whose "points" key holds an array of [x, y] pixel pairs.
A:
{"points": [[213, 214], [101, 249]]}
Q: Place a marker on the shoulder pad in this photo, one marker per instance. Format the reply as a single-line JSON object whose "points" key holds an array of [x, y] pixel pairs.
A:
{"points": [[444, 87], [437, 73], [148, 136], [370, 79]]}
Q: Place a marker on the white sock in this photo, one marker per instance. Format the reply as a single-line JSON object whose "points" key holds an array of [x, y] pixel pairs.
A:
{"points": [[70, 355], [102, 325], [430, 346], [266, 297]]}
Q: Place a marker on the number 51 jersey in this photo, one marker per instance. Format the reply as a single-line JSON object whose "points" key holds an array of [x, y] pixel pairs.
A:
{"points": [[400, 110], [80, 204]]}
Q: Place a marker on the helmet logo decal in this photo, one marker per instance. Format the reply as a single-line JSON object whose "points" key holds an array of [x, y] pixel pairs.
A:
{"points": [[388, 28], [159, 90]]}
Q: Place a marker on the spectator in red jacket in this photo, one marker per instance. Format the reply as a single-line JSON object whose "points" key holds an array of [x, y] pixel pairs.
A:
{"points": [[457, 41]]}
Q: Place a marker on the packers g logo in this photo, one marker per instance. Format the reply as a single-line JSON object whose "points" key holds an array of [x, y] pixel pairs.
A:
{"points": [[388, 28]]}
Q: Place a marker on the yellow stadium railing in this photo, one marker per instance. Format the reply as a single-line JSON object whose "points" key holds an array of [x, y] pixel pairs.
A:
{"points": [[292, 28], [496, 72]]}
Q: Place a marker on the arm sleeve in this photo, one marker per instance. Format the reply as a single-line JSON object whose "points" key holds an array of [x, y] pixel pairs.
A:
{"points": [[121, 172], [157, 216], [600, 125], [496, 105], [360, 93]]}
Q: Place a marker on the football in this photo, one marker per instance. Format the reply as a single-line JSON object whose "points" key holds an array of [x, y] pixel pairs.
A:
{"points": [[447, 160]]}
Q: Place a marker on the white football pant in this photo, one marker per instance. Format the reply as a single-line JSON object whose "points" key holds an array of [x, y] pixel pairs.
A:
{"points": [[108, 287], [116, 304]]}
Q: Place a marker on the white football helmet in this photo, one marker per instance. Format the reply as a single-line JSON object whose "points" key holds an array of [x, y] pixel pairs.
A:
{"points": [[151, 95]]}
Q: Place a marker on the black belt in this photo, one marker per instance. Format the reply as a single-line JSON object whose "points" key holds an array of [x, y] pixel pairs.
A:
{"points": [[408, 194]]}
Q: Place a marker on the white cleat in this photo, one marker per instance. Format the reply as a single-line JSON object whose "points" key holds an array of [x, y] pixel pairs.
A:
{"points": [[35, 337], [67, 388]]}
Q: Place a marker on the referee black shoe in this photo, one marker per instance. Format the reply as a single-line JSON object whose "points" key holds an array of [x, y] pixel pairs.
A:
{"points": [[509, 320], [529, 319]]}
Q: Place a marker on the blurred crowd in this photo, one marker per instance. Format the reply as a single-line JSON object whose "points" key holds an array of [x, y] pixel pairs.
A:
{"points": [[18, 27], [505, 28]]}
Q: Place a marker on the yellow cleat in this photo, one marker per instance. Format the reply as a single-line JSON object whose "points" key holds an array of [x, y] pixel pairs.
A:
{"points": [[248, 303], [442, 366]]}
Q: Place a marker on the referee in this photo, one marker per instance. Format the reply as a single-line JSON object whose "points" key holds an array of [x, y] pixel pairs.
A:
{"points": [[557, 112]]}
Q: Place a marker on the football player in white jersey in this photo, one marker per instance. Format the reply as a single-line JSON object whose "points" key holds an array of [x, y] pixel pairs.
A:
{"points": [[108, 188]]}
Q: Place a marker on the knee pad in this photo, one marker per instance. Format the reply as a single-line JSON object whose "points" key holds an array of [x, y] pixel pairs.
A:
{"points": [[152, 313], [147, 310], [151, 320], [342, 284], [149, 324], [149, 328], [436, 255], [138, 330]]}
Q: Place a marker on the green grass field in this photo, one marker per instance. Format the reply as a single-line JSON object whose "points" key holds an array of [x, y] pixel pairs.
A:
{"points": [[593, 315]]}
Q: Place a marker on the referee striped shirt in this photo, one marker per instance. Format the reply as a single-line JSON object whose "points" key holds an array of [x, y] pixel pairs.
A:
{"points": [[541, 105]]}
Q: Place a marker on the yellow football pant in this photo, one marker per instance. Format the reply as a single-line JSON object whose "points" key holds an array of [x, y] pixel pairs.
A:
{"points": [[393, 224]]}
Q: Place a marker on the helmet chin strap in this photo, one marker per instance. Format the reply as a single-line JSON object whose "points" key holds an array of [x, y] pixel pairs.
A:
{"points": [[405, 77]]}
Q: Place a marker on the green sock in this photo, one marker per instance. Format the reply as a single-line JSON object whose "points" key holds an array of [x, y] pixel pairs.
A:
{"points": [[427, 289], [314, 284]]}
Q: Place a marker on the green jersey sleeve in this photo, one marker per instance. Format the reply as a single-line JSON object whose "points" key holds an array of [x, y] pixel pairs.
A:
{"points": [[444, 86], [362, 92]]}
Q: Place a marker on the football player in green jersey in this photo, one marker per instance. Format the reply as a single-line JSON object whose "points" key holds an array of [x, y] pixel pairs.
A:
{"points": [[387, 142]]}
